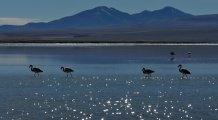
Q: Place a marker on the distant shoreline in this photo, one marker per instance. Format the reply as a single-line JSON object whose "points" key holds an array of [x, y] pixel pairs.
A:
{"points": [[35, 42], [103, 44], [96, 42]]}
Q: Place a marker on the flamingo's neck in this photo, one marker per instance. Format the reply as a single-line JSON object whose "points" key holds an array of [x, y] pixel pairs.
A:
{"points": [[31, 68], [143, 69], [180, 68]]}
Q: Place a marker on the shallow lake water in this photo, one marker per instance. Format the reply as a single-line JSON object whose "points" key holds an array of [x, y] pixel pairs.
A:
{"points": [[108, 82]]}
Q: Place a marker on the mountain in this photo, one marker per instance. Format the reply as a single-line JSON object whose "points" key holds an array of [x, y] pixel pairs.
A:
{"points": [[97, 17], [105, 17], [167, 13]]}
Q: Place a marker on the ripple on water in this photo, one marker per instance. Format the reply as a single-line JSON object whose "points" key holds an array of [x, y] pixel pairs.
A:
{"points": [[107, 97]]}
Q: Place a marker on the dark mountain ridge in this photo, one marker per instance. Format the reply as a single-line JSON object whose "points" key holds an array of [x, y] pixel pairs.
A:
{"points": [[105, 17]]}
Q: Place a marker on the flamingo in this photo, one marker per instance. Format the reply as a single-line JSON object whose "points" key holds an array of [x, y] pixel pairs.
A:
{"points": [[67, 70], [183, 71], [35, 70], [172, 56], [189, 54], [147, 72]]}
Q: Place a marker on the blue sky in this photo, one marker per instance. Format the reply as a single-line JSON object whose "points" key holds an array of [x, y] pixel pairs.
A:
{"points": [[23, 11]]}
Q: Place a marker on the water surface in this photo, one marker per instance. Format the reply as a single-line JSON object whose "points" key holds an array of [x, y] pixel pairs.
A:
{"points": [[108, 82]]}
